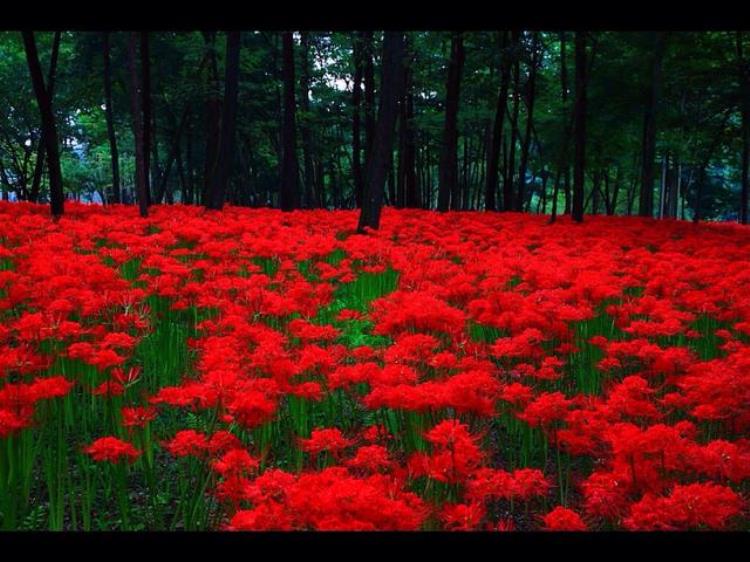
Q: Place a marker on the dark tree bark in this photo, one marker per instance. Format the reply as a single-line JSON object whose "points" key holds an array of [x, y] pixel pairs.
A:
{"points": [[116, 195], [213, 116], [135, 100], [289, 195], [369, 76], [530, 98], [146, 108], [49, 128], [448, 189], [646, 199], [356, 124], [579, 126], [510, 172], [377, 160], [744, 78], [307, 144], [36, 183], [493, 159], [228, 123]]}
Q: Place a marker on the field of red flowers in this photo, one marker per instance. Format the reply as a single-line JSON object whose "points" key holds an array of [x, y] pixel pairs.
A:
{"points": [[257, 370]]}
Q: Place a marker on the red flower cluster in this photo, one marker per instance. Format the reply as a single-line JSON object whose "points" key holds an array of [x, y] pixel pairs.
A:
{"points": [[435, 373]]}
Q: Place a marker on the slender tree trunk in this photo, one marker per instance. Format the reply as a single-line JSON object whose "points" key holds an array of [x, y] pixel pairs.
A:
{"points": [[289, 199], [530, 98], [228, 123], [377, 160], [491, 177], [109, 114], [213, 117], [36, 183], [369, 77], [562, 166], [135, 100], [510, 172], [146, 108], [356, 123], [307, 144], [744, 77], [448, 186], [49, 128], [579, 126], [646, 200]]}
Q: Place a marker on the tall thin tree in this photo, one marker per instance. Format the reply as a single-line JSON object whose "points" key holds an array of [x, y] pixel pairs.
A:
{"points": [[744, 79], [448, 195], [148, 139], [378, 159], [115, 196], [496, 141], [49, 128], [289, 198], [135, 101], [356, 120], [304, 102], [228, 123], [646, 199], [579, 126], [530, 95], [36, 183]]}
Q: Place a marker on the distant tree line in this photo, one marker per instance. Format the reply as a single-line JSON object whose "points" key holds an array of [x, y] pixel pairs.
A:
{"points": [[649, 123]]}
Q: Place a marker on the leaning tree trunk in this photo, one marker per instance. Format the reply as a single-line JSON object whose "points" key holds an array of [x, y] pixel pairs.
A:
{"points": [[448, 188], [646, 200], [579, 126], [135, 100], [228, 123], [36, 182], [378, 159], [49, 128], [496, 141], [289, 197]]}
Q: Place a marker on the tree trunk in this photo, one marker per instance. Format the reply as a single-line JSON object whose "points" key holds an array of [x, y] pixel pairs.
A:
{"points": [[356, 122], [508, 192], [530, 98], [116, 195], [448, 174], [146, 108], [744, 77], [579, 126], [307, 144], [369, 76], [646, 200], [213, 117], [228, 123], [493, 158], [49, 128], [36, 183], [289, 196], [377, 160], [135, 100]]}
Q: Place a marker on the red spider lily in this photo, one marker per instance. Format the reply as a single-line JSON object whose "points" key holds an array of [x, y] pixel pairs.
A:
{"points": [[691, 506], [563, 519], [112, 449], [137, 416]]}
